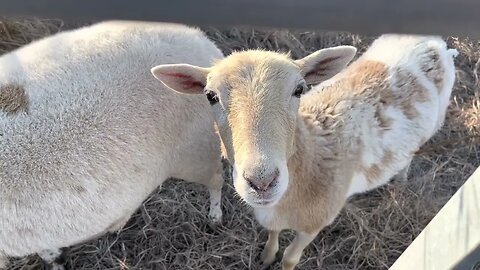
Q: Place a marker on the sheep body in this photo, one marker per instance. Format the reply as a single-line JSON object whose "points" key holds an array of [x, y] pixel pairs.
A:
{"points": [[86, 134], [358, 130], [296, 161]]}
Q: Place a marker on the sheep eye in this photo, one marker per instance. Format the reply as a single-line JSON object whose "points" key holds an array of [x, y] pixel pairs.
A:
{"points": [[211, 96], [299, 90]]}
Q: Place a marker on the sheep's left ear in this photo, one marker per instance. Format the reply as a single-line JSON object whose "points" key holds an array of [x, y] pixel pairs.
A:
{"points": [[324, 64], [182, 78]]}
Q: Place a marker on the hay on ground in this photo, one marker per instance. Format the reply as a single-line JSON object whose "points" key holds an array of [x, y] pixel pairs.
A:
{"points": [[171, 229]]}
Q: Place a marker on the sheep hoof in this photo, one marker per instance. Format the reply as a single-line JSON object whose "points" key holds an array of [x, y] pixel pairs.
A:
{"points": [[288, 266], [267, 259], [54, 257], [265, 266], [215, 217], [56, 266], [216, 220]]}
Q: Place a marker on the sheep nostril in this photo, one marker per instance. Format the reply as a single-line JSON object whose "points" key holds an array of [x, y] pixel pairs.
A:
{"points": [[262, 184]]}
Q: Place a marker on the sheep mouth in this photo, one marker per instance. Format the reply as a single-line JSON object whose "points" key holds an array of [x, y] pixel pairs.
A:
{"points": [[263, 203], [256, 200], [266, 202]]}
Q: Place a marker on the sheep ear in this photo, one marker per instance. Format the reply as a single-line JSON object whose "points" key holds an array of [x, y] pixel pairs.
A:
{"points": [[324, 64], [182, 78]]}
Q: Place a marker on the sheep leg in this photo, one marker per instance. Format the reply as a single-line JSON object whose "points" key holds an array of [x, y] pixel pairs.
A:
{"points": [[402, 175], [294, 251], [270, 250], [215, 190], [53, 257]]}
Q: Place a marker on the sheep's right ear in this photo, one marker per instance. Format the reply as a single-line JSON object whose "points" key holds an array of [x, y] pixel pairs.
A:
{"points": [[182, 78], [324, 64]]}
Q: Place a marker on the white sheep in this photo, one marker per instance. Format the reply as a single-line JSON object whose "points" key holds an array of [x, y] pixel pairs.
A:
{"points": [[86, 133], [296, 161]]}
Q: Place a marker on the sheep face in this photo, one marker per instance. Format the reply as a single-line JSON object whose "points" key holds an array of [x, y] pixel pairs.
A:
{"points": [[259, 95], [255, 96]]}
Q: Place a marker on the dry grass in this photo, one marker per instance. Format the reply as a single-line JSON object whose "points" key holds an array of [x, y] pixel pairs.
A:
{"points": [[171, 231]]}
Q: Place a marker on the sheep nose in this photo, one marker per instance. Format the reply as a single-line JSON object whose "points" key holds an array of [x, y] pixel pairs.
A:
{"points": [[261, 183]]}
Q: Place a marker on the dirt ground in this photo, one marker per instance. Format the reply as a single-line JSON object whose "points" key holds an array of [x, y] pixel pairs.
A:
{"points": [[171, 229]]}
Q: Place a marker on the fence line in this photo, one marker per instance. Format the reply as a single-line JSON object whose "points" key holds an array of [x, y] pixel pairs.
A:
{"points": [[452, 239], [444, 17]]}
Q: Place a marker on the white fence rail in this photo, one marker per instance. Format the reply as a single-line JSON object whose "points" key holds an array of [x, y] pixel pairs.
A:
{"points": [[452, 239]]}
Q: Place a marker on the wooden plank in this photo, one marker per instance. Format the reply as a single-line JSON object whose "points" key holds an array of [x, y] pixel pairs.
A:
{"points": [[445, 17], [452, 239]]}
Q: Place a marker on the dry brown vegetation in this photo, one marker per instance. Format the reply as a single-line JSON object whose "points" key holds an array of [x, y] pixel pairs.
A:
{"points": [[171, 229]]}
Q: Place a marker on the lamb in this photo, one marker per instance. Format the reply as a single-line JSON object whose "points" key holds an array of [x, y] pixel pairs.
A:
{"points": [[86, 133], [296, 161]]}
